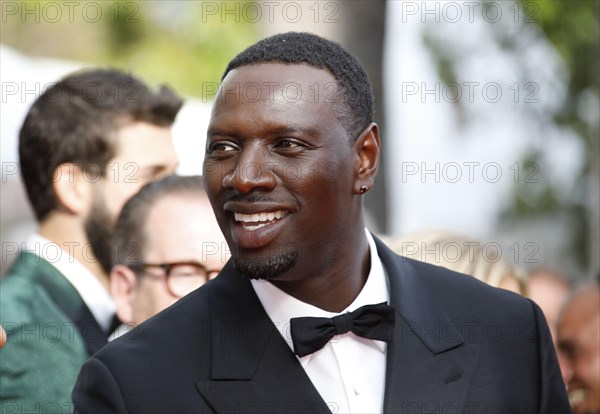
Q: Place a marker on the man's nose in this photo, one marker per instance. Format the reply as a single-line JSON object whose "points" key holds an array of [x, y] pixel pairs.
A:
{"points": [[252, 171]]}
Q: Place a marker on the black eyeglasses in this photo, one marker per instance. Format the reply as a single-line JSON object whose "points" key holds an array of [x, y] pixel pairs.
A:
{"points": [[182, 277]]}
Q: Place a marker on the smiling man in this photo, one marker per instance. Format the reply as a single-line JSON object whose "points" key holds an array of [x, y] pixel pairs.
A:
{"points": [[313, 313], [578, 335]]}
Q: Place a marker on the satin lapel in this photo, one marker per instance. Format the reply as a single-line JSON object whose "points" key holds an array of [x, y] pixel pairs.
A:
{"points": [[429, 366], [65, 297], [253, 369]]}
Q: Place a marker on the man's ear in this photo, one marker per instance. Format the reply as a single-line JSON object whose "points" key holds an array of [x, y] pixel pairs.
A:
{"points": [[123, 283], [72, 188], [368, 148]]}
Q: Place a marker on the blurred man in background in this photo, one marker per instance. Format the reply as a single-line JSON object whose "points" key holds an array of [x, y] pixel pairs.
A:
{"points": [[88, 143], [549, 289], [579, 341], [168, 243]]}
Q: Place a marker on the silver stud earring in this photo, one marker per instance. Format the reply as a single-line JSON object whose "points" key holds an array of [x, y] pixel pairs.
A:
{"points": [[363, 189]]}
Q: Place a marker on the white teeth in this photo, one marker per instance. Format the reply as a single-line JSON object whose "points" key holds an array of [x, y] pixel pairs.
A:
{"points": [[258, 226], [260, 219], [577, 396]]}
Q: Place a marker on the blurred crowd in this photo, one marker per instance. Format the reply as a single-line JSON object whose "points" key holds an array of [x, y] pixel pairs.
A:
{"points": [[128, 239]]}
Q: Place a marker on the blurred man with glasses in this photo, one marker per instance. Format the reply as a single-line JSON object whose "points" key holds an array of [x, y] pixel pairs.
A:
{"points": [[167, 244]]}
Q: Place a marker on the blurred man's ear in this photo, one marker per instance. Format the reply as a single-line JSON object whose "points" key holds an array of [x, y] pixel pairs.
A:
{"points": [[73, 188], [123, 284]]}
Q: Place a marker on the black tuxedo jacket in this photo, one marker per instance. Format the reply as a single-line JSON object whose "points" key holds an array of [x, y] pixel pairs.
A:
{"points": [[460, 346]]}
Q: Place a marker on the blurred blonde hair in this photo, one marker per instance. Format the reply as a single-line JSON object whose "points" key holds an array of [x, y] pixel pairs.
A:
{"points": [[462, 254]]}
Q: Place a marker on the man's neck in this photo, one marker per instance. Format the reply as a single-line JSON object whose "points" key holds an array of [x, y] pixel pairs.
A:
{"points": [[69, 234], [333, 284]]}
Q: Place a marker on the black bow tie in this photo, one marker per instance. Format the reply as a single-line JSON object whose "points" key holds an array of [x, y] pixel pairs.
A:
{"points": [[369, 321]]}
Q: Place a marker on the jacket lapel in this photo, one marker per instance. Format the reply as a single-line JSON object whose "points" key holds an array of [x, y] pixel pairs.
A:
{"points": [[253, 369], [429, 365]]}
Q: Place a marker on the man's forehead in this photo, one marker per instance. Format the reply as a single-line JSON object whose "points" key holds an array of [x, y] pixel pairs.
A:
{"points": [[580, 312], [277, 75], [279, 86]]}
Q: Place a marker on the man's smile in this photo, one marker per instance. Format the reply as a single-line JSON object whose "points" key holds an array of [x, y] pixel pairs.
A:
{"points": [[257, 220], [255, 224]]}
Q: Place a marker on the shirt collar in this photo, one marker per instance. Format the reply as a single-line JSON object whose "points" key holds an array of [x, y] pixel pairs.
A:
{"points": [[92, 292], [281, 307]]}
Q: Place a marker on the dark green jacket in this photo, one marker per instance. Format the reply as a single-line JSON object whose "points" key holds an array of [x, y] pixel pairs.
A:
{"points": [[51, 333]]}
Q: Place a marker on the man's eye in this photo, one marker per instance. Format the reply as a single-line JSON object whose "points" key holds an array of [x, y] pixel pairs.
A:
{"points": [[221, 147], [288, 144]]}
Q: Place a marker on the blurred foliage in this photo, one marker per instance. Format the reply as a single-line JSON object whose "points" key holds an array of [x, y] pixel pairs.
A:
{"points": [[185, 44], [572, 28]]}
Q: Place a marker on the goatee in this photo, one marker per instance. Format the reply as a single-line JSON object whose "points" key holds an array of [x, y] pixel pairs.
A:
{"points": [[268, 267]]}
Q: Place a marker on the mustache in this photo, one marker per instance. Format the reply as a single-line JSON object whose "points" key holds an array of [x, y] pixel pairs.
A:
{"points": [[255, 197]]}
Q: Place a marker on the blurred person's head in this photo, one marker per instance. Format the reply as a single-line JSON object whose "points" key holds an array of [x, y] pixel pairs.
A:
{"points": [[88, 143], [461, 254], [549, 289], [167, 243], [578, 335]]}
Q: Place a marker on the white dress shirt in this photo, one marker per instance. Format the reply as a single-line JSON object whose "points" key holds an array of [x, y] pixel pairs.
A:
{"points": [[348, 372], [92, 292]]}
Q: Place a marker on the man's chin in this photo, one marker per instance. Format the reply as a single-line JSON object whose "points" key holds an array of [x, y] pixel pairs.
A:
{"points": [[265, 268]]}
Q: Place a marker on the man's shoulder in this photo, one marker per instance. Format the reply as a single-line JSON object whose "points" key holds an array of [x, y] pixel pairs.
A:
{"points": [[460, 295], [443, 279], [182, 324], [27, 264], [25, 294], [22, 296], [41, 338], [152, 349]]}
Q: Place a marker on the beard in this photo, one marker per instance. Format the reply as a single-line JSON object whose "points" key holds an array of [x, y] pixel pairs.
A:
{"points": [[268, 267], [99, 229]]}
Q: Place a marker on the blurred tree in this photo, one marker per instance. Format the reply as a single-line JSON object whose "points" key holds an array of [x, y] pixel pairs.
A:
{"points": [[572, 28], [363, 34], [183, 43]]}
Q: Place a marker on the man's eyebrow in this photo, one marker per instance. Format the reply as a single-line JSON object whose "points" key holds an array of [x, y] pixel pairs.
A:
{"points": [[289, 129], [215, 131], [277, 130]]}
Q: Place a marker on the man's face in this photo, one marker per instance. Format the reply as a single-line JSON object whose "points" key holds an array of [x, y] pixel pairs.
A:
{"points": [[179, 228], [579, 342], [279, 169], [145, 152]]}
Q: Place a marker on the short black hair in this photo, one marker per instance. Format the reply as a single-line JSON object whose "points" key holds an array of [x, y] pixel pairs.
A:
{"points": [[76, 120], [355, 111]]}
